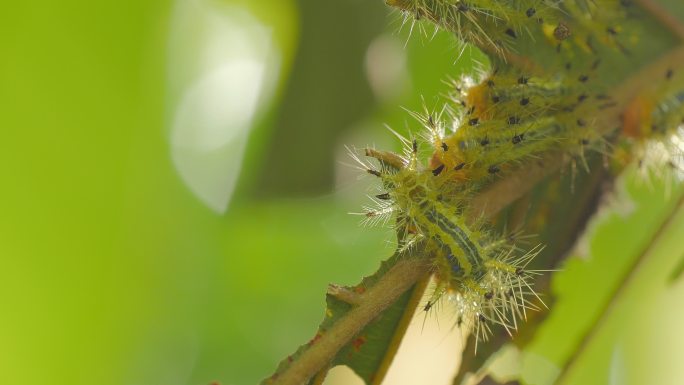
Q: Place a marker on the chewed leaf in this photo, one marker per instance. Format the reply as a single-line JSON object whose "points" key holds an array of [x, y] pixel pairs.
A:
{"points": [[370, 352]]}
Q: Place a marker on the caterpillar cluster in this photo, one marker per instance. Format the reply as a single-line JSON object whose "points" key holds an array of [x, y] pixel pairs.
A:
{"points": [[505, 26], [489, 126], [486, 276], [520, 108]]}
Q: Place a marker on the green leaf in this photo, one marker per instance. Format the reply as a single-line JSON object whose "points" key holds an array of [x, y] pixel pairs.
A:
{"points": [[632, 250], [371, 352], [371, 349]]}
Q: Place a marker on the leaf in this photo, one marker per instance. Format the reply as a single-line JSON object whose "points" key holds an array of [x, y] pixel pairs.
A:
{"points": [[622, 73], [623, 242], [677, 271], [632, 249], [369, 351]]}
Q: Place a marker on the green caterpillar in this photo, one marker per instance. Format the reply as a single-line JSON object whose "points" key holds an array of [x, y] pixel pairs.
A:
{"points": [[565, 77], [516, 112], [486, 277]]}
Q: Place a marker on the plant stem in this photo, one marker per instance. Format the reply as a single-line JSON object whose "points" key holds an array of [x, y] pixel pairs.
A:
{"points": [[379, 297]]}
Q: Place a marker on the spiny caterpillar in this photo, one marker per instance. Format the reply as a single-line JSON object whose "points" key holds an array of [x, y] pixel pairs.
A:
{"points": [[521, 108], [515, 112], [486, 276], [565, 77]]}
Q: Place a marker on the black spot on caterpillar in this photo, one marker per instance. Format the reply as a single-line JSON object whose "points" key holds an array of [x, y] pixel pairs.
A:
{"points": [[513, 120], [438, 170]]}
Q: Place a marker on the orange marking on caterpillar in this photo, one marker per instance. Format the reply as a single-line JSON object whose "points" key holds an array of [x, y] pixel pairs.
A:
{"points": [[477, 99], [636, 119]]}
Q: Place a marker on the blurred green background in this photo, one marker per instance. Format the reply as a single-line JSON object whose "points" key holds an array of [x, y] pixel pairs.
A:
{"points": [[173, 202]]}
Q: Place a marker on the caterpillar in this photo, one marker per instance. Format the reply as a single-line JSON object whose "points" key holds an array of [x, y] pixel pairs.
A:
{"points": [[555, 68], [514, 112], [487, 277], [517, 111]]}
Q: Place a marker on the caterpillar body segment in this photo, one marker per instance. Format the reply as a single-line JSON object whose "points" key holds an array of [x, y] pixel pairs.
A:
{"points": [[511, 116], [450, 231], [599, 22], [492, 25], [535, 29], [495, 291]]}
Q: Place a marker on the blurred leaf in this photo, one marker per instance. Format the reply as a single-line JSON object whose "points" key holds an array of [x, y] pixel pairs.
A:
{"points": [[225, 67], [619, 262], [677, 271]]}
